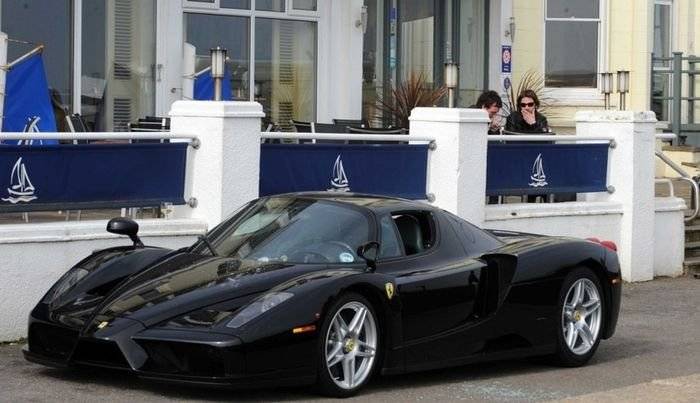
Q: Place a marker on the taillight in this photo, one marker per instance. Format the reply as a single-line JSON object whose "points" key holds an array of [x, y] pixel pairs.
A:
{"points": [[608, 244]]}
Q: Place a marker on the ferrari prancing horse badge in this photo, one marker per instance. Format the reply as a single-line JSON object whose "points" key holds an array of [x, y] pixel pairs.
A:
{"points": [[389, 290]]}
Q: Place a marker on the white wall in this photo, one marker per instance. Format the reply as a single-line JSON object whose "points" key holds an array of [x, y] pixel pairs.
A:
{"points": [[669, 236], [34, 256]]}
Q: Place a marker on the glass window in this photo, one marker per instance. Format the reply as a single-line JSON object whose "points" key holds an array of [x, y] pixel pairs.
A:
{"points": [[294, 231], [47, 22], [238, 4], [270, 5], [118, 63], [373, 61], [389, 245], [417, 29], [573, 8], [285, 70], [571, 44], [205, 31], [472, 50], [661, 82], [308, 5]]}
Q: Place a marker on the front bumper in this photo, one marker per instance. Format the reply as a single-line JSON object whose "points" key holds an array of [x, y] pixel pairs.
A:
{"points": [[192, 357]]}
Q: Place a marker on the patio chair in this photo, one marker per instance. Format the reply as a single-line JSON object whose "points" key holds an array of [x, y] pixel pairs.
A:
{"points": [[377, 130]]}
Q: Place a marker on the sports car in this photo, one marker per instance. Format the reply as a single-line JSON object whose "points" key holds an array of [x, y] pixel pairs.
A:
{"points": [[328, 289]]}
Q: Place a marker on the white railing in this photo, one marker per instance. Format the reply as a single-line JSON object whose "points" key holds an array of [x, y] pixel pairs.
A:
{"points": [[550, 138], [69, 136], [347, 136], [684, 176]]}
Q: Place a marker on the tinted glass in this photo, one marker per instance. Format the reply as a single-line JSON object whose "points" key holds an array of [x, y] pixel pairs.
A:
{"points": [[474, 240], [291, 230], [389, 244], [47, 22], [269, 5], [309, 5], [572, 8], [571, 54], [240, 4]]}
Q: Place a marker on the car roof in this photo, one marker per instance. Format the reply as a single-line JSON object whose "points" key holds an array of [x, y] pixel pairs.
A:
{"points": [[376, 203]]}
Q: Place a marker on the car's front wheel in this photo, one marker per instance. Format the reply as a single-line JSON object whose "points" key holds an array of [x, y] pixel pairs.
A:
{"points": [[349, 344], [581, 309]]}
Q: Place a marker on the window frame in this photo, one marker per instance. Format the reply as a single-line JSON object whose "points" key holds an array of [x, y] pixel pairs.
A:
{"points": [[579, 96], [672, 35]]}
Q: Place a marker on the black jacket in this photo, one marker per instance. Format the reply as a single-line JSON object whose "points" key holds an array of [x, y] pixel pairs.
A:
{"points": [[516, 123]]}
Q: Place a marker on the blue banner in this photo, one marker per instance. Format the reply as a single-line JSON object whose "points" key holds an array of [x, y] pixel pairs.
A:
{"points": [[536, 168], [91, 176], [204, 86], [384, 169], [27, 104]]}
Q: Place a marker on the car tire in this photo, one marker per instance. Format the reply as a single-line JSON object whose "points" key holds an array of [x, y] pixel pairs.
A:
{"points": [[348, 346], [581, 318]]}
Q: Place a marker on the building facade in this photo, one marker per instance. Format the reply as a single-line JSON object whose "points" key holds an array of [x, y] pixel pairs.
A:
{"points": [[115, 61]]}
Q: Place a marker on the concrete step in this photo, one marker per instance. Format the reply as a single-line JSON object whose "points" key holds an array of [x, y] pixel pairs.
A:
{"points": [[691, 266], [692, 245], [692, 233]]}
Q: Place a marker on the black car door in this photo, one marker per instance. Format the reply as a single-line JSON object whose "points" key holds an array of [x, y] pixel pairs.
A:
{"points": [[438, 285]]}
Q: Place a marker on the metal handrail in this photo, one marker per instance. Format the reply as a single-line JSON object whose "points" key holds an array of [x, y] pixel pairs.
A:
{"points": [[686, 177], [345, 136], [193, 140]]}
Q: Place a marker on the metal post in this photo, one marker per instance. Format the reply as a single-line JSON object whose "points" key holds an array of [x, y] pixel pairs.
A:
{"points": [[691, 89], [677, 92], [3, 73]]}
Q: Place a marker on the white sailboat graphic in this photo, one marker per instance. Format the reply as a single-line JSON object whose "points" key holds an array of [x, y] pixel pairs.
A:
{"points": [[32, 126], [539, 179], [21, 188], [339, 181]]}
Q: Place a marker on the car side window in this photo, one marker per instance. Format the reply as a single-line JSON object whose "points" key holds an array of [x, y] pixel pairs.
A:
{"points": [[473, 239], [389, 246], [416, 229]]}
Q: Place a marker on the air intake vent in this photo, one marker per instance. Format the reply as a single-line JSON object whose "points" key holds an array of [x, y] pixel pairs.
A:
{"points": [[122, 40], [121, 114]]}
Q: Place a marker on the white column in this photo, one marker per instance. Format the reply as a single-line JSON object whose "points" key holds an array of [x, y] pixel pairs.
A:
{"points": [[631, 173], [223, 173], [457, 167]]}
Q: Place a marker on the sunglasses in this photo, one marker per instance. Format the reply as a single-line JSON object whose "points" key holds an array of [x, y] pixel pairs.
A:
{"points": [[524, 104]]}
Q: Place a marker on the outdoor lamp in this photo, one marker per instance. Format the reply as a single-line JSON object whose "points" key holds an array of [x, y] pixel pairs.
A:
{"points": [[606, 87], [451, 81], [218, 64], [623, 86]]}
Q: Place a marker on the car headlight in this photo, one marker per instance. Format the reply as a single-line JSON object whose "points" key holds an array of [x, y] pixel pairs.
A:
{"points": [[258, 307]]}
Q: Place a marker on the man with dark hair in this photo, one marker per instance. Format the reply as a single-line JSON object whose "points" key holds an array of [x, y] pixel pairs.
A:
{"points": [[491, 102]]}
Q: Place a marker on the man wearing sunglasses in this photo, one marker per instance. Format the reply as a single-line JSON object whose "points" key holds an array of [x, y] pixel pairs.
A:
{"points": [[527, 119]]}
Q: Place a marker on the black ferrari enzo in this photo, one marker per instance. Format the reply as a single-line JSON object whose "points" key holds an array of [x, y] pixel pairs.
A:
{"points": [[327, 289]]}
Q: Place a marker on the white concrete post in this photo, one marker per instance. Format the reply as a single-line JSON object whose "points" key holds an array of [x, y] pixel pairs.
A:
{"points": [[457, 167], [631, 173], [224, 172]]}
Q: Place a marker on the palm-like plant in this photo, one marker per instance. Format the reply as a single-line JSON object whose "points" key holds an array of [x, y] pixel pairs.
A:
{"points": [[416, 91], [530, 80]]}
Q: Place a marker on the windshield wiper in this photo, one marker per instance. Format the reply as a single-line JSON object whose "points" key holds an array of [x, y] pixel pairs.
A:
{"points": [[204, 239]]}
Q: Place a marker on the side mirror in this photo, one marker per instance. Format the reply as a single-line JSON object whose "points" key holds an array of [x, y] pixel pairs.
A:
{"points": [[125, 226], [369, 252]]}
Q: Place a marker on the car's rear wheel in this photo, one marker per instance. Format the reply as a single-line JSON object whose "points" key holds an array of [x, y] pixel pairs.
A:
{"points": [[581, 310], [349, 344]]}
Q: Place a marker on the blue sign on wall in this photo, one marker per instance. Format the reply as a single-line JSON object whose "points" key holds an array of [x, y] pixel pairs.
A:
{"points": [[519, 169], [385, 169], [91, 176]]}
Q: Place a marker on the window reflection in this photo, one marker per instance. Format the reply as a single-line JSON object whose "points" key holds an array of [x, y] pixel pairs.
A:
{"points": [[118, 63], [47, 22], [285, 70], [206, 31]]}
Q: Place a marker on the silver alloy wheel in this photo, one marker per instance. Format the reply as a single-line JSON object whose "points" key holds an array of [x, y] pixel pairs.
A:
{"points": [[581, 316], [351, 345]]}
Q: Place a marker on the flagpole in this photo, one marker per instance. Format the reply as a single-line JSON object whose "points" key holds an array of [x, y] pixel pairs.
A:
{"points": [[25, 56], [3, 73]]}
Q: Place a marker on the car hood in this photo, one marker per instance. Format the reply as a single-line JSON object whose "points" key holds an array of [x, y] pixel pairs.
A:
{"points": [[185, 282]]}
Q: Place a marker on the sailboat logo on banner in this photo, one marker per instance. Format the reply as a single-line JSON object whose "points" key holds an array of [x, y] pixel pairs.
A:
{"points": [[32, 126], [539, 179], [339, 181], [21, 188]]}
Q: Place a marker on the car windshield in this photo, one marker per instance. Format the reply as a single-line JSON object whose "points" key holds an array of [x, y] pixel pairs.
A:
{"points": [[292, 230]]}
